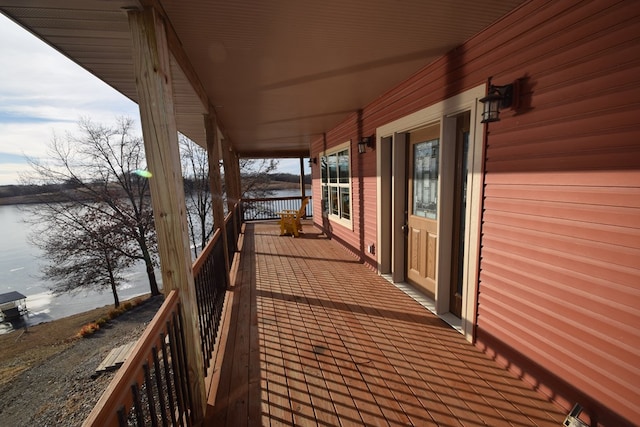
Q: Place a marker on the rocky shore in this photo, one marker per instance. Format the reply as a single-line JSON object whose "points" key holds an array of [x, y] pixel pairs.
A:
{"points": [[47, 374]]}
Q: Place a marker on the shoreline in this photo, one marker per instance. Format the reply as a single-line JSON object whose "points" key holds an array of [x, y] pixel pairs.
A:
{"points": [[47, 375], [34, 199]]}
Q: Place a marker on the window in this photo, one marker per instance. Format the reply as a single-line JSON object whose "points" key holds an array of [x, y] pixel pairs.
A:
{"points": [[425, 179], [336, 183]]}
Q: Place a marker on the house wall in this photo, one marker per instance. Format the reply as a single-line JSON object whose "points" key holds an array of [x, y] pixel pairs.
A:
{"points": [[559, 287], [559, 292]]}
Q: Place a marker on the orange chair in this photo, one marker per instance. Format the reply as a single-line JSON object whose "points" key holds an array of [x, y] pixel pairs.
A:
{"points": [[290, 219]]}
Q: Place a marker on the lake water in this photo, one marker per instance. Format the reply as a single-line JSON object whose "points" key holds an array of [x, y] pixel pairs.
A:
{"points": [[20, 264]]}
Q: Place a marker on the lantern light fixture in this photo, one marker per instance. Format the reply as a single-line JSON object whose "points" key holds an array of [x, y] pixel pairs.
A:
{"points": [[366, 141], [498, 98]]}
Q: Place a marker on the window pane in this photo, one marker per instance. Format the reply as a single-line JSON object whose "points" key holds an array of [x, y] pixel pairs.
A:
{"points": [[344, 203], [425, 179], [325, 199], [323, 169], [332, 167], [343, 167], [334, 200]]}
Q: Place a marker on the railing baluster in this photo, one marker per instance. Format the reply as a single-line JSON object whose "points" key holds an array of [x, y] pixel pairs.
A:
{"points": [[122, 417], [160, 385], [137, 405], [151, 401], [185, 369], [170, 383], [177, 370]]}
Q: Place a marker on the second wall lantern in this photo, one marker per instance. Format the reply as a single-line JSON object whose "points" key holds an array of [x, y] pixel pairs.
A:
{"points": [[498, 98]]}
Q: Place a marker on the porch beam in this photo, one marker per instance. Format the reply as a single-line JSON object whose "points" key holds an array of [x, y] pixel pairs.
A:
{"points": [[155, 96], [281, 154], [215, 182]]}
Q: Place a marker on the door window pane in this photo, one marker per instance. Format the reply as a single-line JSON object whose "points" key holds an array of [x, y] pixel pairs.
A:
{"points": [[425, 179]]}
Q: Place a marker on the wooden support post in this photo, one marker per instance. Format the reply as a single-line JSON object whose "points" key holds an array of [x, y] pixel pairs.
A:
{"points": [[230, 163], [228, 160], [155, 97], [302, 189], [237, 179], [215, 182]]}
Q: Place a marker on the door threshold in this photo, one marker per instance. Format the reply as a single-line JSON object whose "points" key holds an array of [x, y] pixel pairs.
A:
{"points": [[426, 302]]}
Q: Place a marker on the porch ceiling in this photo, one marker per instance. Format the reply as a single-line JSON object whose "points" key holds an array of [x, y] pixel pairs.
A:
{"points": [[278, 73]]}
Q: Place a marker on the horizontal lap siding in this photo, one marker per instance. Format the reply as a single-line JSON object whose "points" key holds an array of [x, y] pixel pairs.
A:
{"points": [[560, 263], [559, 291]]}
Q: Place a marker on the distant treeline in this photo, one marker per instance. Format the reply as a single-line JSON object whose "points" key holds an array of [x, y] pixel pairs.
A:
{"points": [[272, 178], [287, 177], [24, 193], [32, 190]]}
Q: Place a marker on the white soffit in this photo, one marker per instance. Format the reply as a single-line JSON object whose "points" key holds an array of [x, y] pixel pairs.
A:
{"points": [[279, 73]]}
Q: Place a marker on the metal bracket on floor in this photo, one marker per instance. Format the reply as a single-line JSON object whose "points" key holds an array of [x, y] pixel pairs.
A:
{"points": [[572, 419]]}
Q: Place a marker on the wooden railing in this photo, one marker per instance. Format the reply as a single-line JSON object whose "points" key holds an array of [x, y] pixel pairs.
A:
{"points": [[268, 207], [152, 387], [210, 279]]}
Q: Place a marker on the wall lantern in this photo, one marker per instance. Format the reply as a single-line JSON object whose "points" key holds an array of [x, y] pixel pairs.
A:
{"points": [[497, 98], [313, 161], [365, 142]]}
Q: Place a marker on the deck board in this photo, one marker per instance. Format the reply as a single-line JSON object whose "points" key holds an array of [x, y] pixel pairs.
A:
{"points": [[319, 339]]}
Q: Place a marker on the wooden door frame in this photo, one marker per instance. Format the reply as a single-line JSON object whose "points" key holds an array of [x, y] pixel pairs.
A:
{"points": [[390, 221]]}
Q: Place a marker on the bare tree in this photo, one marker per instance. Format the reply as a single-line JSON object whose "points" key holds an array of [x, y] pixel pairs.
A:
{"points": [[256, 177], [102, 209], [195, 168], [87, 255]]}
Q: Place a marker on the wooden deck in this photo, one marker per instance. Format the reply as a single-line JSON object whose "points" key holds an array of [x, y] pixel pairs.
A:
{"points": [[316, 338]]}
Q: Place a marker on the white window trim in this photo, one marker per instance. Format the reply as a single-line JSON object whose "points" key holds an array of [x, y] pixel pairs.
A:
{"points": [[335, 218]]}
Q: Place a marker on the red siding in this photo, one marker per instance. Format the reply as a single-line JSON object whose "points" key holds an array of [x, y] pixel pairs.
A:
{"points": [[559, 291], [560, 271]]}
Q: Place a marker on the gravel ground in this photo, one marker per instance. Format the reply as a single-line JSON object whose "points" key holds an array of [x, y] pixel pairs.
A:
{"points": [[62, 389]]}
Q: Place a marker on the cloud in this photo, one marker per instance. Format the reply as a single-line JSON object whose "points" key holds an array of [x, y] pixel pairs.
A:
{"points": [[42, 94], [9, 173]]}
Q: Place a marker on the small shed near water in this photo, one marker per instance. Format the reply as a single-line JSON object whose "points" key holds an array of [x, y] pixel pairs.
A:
{"points": [[12, 305]]}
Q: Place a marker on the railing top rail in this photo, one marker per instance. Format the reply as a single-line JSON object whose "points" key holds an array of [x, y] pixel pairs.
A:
{"points": [[266, 199], [197, 264], [105, 411]]}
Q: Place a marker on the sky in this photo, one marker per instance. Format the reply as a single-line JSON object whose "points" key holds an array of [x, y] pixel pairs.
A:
{"points": [[44, 94]]}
